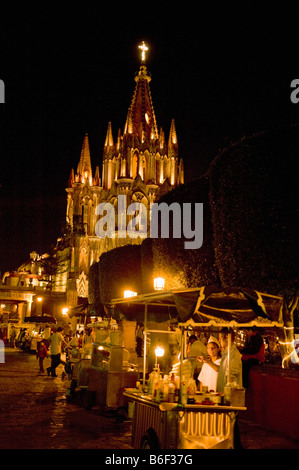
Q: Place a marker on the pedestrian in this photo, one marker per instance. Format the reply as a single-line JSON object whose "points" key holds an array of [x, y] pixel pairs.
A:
{"points": [[41, 353], [196, 349], [253, 353], [46, 335], [12, 337], [235, 371], [174, 343], [56, 340], [87, 337], [209, 372], [139, 339], [80, 339]]}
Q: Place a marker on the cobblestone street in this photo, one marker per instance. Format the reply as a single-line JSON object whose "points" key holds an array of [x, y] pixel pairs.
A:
{"points": [[36, 415]]}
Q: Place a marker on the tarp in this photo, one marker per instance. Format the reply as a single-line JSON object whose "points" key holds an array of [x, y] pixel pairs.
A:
{"points": [[206, 306], [40, 319], [87, 309], [231, 306]]}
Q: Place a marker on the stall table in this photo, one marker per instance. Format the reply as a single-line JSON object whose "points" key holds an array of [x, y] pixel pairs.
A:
{"points": [[173, 426]]}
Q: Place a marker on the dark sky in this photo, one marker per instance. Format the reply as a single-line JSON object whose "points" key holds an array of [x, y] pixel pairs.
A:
{"points": [[69, 69]]}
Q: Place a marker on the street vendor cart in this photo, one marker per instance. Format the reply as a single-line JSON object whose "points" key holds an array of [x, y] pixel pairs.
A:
{"points": [[100, 370], [105, 378], [173, 426], [203, 422]]}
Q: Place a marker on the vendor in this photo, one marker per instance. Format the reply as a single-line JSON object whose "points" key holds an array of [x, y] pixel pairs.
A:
{"points": [[235, 362], [196, 349], [253, 353], [209, 372]]}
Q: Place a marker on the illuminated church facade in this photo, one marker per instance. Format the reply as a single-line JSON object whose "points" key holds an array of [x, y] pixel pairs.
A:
{"points": [[139, 164]]}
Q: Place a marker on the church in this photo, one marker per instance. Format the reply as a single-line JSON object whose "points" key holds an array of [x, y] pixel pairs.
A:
{"points": [[140, 164]]}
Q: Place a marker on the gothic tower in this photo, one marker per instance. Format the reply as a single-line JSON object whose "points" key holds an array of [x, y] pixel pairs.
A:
{"points": [[139, 165]]}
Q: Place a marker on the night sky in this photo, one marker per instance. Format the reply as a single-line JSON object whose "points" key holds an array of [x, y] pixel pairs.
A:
{"points": [[69, 69]]}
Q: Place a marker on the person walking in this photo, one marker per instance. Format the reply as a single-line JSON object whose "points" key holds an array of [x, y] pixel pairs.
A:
{"points": [[12, 337], [41, 353], [56, 339]]}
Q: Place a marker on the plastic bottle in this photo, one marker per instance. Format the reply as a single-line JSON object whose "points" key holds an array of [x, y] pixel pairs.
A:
{"points": [[227, 394], [183, 392], [165, 388], [153, 379], [191, 390], [150, 383], [171, 392]]}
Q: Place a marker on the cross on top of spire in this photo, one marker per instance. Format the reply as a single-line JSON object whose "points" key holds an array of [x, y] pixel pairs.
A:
{"points": [[143, 48]]}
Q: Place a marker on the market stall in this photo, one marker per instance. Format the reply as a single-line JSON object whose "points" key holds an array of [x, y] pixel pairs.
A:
{"points": [[38, 324], [196, 421], [100, 369]]}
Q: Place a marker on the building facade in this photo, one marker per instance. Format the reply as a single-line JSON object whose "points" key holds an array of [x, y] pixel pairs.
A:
{"points": [[140, 165]]}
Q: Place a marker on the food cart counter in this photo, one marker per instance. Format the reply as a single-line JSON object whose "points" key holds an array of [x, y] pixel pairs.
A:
{"points": [[194, 426], [100, 376], [174, 426]]}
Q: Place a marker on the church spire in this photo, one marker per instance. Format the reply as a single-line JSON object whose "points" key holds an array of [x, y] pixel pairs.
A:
{"points": [[141, 119], [109, 137], [84, 171], [172, 141]]}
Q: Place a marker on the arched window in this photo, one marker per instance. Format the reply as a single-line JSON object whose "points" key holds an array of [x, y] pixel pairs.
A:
{"points": [[135, 165]]}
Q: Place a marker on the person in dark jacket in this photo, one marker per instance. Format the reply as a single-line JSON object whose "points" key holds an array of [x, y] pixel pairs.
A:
{"points": [[253, 353]]}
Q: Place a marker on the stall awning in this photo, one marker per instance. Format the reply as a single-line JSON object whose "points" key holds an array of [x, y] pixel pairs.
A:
{"points": [[40, 319], [206, 306], [88, 310]]}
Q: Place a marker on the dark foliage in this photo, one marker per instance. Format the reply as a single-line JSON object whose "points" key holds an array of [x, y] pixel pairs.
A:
{"points": [[181, 266], [255, 211], [120, 269]]}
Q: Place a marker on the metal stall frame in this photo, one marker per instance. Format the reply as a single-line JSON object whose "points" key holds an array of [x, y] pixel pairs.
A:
{"points": [[195, 307]]}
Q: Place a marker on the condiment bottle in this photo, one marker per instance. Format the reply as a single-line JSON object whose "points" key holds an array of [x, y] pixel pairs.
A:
{"points": [[171, 392]]}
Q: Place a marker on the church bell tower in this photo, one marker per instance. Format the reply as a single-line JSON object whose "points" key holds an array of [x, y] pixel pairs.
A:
{"points": [[138, 164]]}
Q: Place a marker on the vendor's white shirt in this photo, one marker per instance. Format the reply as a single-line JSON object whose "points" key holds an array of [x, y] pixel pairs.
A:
{"points": [[208, 376], [55, 345], [235, 368]]}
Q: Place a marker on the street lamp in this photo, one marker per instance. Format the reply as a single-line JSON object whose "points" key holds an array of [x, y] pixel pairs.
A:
{"points": [[159, 352], [159, 283], [129, 293], [65, 311], [39, 310]]}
